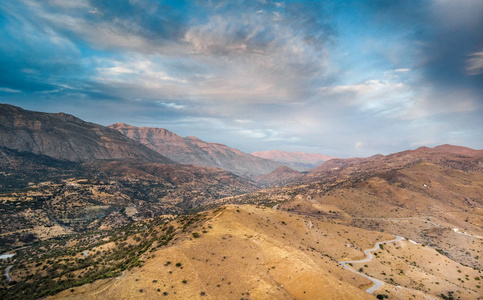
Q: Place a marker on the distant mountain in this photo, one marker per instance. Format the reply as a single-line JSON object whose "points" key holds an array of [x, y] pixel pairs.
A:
{"points": [[455, 157], [299, 161], [337, 163], [192, 150], [280, 176], [64, 137]]}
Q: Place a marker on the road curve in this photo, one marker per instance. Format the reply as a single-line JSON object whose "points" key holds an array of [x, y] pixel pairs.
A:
{"points": [[377, 283], [6, 273]]}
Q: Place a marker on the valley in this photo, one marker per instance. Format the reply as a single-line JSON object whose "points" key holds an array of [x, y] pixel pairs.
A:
{"points": [[128, 222]]}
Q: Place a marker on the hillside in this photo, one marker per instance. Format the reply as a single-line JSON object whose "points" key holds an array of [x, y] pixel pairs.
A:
{"points": [[280, 176], [422, 201], [243, 252], [299, 161], [64, 137], [191, 150], [445, 155]]}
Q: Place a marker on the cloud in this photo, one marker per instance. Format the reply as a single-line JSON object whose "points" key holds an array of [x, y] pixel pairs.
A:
{"points": [[378, 97], [475, 63], [292, 75], [231, 52], [7, 90]]}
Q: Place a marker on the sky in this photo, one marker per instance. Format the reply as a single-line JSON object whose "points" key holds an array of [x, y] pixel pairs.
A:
{"points": [[341, 78]]}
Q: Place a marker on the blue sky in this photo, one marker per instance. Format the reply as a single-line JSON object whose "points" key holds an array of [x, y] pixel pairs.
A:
{"points": [[343, 78]]}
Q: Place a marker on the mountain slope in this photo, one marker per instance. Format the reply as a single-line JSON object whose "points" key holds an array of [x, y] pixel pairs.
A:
{"points": [[456, 157], [191, 150], [241, 252], [280, 176], [65, 137], [299, 161]]}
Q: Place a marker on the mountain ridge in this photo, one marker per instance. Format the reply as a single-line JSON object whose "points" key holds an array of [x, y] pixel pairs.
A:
{"points": [[192, 150], [65, 137]]}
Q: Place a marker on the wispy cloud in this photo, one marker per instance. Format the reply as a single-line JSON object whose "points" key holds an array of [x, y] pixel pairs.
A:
{"points": [[475, 63], [7, 90]]}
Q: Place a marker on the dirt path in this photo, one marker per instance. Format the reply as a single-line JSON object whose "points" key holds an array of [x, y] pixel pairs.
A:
{"points": [[377, 283]]}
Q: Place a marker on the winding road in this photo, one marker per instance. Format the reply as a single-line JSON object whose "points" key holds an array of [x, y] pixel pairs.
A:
{"points": [[5, 256], [377, 283], [6, 273]]}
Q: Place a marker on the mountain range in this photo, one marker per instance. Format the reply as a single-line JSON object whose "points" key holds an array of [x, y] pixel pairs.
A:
{"points": [[192, 150]]}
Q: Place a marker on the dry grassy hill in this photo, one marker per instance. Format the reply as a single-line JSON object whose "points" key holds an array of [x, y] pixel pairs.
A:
{"points": [[245, 252], [250, 252]]}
